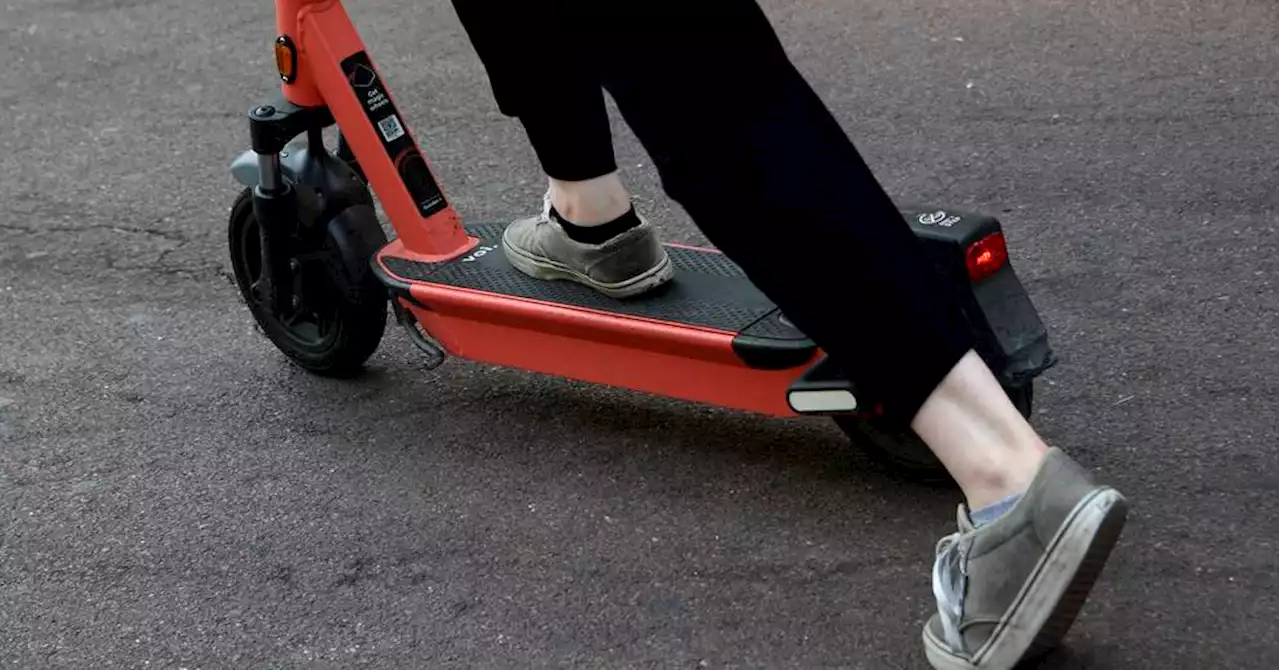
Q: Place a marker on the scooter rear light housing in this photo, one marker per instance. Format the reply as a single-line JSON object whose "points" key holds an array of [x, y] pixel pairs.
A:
{"points": [[986, 256]]}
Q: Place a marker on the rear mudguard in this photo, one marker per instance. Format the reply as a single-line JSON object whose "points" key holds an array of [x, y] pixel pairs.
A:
{"points": [[1006, 329]]}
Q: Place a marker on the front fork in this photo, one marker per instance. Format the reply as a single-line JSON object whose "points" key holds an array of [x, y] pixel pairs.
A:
{"points": [[275, 206], [275, 200]]}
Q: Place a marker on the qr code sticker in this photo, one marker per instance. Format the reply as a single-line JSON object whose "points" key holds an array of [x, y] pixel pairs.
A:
{"points": [[391, 128]]}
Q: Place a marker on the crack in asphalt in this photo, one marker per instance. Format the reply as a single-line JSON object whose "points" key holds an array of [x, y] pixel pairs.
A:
{"points": [[171, 235]]}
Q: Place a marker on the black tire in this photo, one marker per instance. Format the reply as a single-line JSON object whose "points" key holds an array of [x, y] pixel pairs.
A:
{"points": [[346, 306], [900, 450]]}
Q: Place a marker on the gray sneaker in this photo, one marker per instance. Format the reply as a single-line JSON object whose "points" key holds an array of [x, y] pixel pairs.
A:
{"points": [[1010, 590], [628, 265]]}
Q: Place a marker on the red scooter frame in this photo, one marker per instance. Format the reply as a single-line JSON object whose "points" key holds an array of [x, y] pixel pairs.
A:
{"points": [[708, 337]]}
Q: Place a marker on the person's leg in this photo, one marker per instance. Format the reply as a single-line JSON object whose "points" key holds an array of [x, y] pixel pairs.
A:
{"points": [[748, 149], [560, 104], [588, 230]]}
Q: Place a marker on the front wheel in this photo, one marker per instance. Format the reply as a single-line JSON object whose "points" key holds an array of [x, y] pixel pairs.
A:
{"points": [[899, 449], [337, 310]]}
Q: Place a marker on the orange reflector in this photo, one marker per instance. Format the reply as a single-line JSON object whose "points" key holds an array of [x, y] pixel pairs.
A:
{"points": [[286, 59], [986, 256]]}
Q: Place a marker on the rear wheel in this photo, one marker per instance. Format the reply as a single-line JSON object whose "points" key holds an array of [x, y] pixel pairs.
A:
{"points": [[902, 451], [335, 316]]}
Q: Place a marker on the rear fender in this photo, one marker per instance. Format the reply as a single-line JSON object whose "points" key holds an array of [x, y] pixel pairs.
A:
{"points": [[1006, 327]]}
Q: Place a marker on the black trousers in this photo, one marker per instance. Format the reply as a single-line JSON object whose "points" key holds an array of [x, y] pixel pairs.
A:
{"points": [[743, 143]]}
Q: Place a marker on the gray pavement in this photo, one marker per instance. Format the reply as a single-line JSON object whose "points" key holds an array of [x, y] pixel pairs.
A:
{"points": [[174, 495]]}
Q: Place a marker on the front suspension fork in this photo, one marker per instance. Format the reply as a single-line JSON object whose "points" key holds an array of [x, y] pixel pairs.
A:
{"points": [[275, 200]]}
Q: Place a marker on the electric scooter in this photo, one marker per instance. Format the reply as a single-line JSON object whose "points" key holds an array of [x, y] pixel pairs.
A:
{"points": [[317, 271]]}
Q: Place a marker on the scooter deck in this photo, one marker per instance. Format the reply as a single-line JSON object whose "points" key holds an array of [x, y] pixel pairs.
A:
{"points": [[708, 335]]}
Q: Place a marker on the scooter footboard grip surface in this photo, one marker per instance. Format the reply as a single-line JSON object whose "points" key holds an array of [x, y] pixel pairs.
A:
{"points": [[709, 290]]}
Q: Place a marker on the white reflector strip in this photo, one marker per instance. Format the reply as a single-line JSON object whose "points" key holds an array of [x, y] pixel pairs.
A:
{"points": [[822, 401]]}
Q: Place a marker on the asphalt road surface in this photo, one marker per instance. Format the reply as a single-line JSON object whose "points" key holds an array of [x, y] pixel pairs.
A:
{"points": [[173, 494]]}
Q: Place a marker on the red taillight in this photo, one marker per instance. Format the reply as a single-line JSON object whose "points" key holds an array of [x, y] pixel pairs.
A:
{"points": [[986, 256]]}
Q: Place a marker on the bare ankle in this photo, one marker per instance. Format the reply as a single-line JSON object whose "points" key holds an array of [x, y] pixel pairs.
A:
{"points": [[591, 202], [988, 481], [974, 429]]}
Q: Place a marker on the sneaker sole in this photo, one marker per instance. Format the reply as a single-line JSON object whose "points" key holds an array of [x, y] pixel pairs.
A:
{"points": [[1047, 606], [541, 267]]}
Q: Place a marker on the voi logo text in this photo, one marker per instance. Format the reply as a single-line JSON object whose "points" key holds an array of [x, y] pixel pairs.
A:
{"points": [[938, 218]]}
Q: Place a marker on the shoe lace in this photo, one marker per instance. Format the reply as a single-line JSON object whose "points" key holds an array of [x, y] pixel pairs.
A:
{"points": [[950, 577], [546, 205]]}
